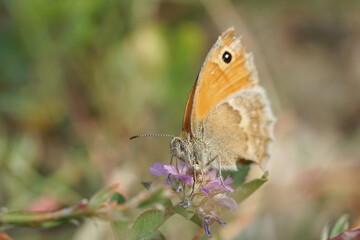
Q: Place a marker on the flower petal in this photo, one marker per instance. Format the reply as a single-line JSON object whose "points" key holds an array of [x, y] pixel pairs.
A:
{"points": [[219, 221], [184, 168], [229, 189], [211, 175], [171, 169], [215, 184], [158, 169], [228, 180], [187, 179], [206, 223], [206, 191], [225, 201]]}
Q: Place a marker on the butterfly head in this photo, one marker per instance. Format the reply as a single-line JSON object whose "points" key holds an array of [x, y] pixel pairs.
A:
{"points": [[180, 149]]}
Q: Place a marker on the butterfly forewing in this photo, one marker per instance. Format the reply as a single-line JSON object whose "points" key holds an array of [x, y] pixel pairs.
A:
{"points": [[227, 112], [219, 79], [186, 121]]}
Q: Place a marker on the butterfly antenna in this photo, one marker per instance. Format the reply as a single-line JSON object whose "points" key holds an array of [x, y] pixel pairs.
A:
{"points": [[151, 135]]}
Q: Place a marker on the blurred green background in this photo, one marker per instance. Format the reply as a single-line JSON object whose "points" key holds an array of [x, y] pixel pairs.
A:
{"points": [[78, 77]]}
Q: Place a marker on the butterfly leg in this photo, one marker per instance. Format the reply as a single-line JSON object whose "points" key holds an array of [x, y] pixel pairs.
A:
{"points": [[219, 160], [193, 185], [194, 180], [211, 161], [171, 161], [221, 177]]}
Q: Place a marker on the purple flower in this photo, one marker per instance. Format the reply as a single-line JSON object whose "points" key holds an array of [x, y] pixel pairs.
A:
{"points": [[207, 220], [158, 169], [206, 196], [182, 172], [219, 221], [225, 201], [179, 188], [216, 184], [205, 190], [206, 224]]}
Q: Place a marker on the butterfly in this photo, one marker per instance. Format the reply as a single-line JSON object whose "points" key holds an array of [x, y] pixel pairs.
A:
{"points": [[227, 116]]}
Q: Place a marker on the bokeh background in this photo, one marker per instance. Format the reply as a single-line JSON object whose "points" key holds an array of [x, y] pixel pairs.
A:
{"points": [[77, 78]]}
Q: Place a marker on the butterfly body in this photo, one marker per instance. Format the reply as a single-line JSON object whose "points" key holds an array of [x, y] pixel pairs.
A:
{"points": [[227, 116], [195, 152]]}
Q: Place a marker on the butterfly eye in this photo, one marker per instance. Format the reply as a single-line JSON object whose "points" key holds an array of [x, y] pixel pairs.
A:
{"points": [[182, 147], [227, 57]]}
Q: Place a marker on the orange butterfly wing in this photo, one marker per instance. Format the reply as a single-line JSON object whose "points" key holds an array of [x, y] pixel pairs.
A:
{"points": [[217, 80], [188, 108]]}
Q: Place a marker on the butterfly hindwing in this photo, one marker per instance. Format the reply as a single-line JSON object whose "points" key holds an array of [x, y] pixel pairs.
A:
{"points": [[240, 128]]}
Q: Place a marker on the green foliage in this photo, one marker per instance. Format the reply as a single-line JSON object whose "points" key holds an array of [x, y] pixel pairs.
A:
{"points": [[195, 219], [146, 224], [157, 235], [155, 197], [238, 176], [248, 188], [103, 204], [120, 229], [30, 219], [107, 194], [182, 212], [118, 198], [340, 231], [341, 225], [325, 232]]}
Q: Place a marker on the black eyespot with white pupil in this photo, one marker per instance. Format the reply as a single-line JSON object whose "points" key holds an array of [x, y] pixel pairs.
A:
{"points": [[226, 57]]}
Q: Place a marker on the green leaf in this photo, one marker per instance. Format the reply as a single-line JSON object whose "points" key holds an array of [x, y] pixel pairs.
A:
{"points": [[117, 197], [325, 233], [155, 197], [248, 188], [167, 203], [195, 219], [157, 235], [102, 196], [238, 176], [181, 211], [146, 224], [341, 225], [120, 229]]}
